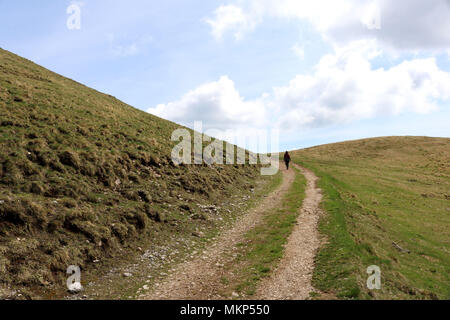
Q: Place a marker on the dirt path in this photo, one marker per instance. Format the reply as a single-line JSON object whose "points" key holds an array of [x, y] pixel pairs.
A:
{"points": [[292, 279], [200, 278]]}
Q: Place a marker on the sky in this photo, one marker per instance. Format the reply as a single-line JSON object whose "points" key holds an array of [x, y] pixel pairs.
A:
{"points": [[313, 72]]}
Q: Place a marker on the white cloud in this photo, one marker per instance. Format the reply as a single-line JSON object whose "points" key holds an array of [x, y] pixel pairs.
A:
{"points": [[218, 104], [245, 16], [371, 16], [344, 87], [230, 18], [299, 51], [399, 24], [405, 25]]}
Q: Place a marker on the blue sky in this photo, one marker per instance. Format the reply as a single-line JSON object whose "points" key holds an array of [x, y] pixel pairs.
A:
{"points": [[319, 72]]}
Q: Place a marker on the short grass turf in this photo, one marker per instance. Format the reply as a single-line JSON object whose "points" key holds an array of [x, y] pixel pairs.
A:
{"points": [[379, 192]]}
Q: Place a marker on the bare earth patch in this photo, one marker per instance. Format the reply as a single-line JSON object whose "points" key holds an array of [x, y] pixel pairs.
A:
{"points": [[200, 279], [292, 279]]}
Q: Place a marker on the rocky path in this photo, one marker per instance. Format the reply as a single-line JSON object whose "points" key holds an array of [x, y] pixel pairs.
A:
{"points": [[200, 279], [292, 279]]}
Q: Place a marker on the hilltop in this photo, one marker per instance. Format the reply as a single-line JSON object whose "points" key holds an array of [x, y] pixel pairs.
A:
{"points": [[387, 202], [84, 175]]}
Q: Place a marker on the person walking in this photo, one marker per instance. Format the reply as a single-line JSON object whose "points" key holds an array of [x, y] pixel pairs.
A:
{"points": [[287, 159]]}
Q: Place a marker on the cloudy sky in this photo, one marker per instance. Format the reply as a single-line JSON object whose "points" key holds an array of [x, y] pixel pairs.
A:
{"points": [[318, 71]]}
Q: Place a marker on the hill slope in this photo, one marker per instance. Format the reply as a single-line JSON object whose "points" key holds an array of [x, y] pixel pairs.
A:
{"points": [[388, 205], [83, 175]]}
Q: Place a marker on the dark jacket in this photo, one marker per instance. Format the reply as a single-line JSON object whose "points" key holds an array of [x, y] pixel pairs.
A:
{"points": [[287, 157]]}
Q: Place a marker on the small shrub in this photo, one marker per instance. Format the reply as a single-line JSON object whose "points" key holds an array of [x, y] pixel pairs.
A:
{"points": [[133, 177], [141, 220], [185, 207], [57, 166], [69, 203], [88, 170], [55, 224], [12, 175], [36, 211], [42, 158], [12, 211], [92, 198], [154, 215], [119, 230], [145, 196], [131, 195], [36, 188], [69, 158]]}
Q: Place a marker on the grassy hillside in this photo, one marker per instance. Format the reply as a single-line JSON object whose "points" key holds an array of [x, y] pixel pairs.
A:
{"points": [[83, 175], [379, 192]]}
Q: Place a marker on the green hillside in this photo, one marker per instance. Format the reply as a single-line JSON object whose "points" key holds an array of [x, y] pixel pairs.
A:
{"points": [[388, 204], [83, 175]]}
